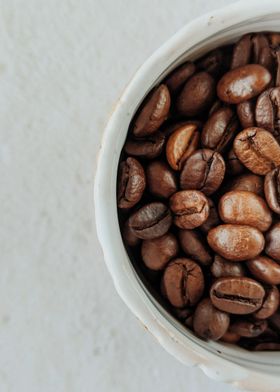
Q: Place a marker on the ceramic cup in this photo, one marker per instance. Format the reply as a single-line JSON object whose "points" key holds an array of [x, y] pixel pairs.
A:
{"points": [[257, 371]]}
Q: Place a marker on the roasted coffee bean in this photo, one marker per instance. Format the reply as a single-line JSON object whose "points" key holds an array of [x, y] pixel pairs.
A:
{"points": [[197, 94], [190, 209], [246, 113], [276, 55], [257, 149], [268, 111], [185, 315], [181, 144], [237, 295], [151, 221], [234, 166], [245, 208], [265, 269], [219, 129], [222, 268], [149, 147], [272, 189], [161, 180], [213, 218], [183, 282], [274, 321], [270, 303], [274, 39], [129, 237], [204, 170], [158, 252], [241, 52], [243, 83], [169, 127], [230, 337], [246, 182], [179, 76], [236, 242], [209, 322], [267, 346], [153, 112], [195, 246], [272, 240], [131, 183], [248, 329], [213, 62]]}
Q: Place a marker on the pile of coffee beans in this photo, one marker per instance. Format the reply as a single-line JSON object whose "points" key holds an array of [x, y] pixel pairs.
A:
{"points": [[198, 193]]}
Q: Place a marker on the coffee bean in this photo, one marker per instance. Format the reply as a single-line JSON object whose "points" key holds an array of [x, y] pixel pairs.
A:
{"points": [[151, 221], [245, 208], [246, 113], [265, 269], [257, 149], [248, 329], [222, 268], [213, 218], [158, 252], [230, 337], [209, 322], [276, 55], [153, 112], [270, 303], [181, 144], [185, 315], [131, 183], [236, 242], [267, 346], [274, 39], [204, 170], [183, 282], [149, 147], [215, 106], [129, 237], [219, 129], [190, 209], [161, 180], [179, 76], [169, 127], [237, 295], [194, 246], [243, 83], [272, 239], [246, 182], [234, 166], [274, 321], [197, 94], [272, 189], [241, 52], [213, 62], [268, 111]]}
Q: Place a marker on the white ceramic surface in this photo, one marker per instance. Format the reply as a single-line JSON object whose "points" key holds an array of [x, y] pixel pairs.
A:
{"points": [[251, 371]]}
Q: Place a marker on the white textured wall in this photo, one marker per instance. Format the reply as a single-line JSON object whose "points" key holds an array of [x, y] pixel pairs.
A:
{"points": [[63, 63]]}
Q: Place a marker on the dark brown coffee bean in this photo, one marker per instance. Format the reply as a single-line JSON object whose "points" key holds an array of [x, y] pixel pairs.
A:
{"points": [[169, 127], [185, 315], [276, 55], [219, 129], [190, 209], [265, 269], [158, 252], [195, 246], [161, 180], [246, 113], [209, 322], [270, 303], [262, 51], [272, 189], [245, 208], [153, 112], [267, 346], [184, 282], [268, 111], [234, 166], [222, 268], [179, 76], [151, 221], [129, 237], [181, 144], [243, 83], [215, 106], [241, 53], [237, 295], [230, 337], [149, 147], [197, 94], [274, 321], [246, 182], [236, 242], [204, 170], [257, 149], [248, 329], [272, 240], [213, 62], [131, 183], [213, 218]]}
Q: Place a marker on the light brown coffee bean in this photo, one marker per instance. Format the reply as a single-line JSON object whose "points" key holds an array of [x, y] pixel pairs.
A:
{"points": [[161, 180], [230, 337], [195, 246], [222, 268], [248, 329], [246, 113], [272, 189], [246, 182], [264, 269], [272, 242], [270, 303]]}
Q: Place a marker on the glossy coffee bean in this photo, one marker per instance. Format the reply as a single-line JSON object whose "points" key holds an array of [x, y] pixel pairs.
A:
{"points": [[153, 112], [272, 189], [246, 113], [197, 94], [236, 242], [241, 53], [194, 245], [161, 180], [234, 166], [264, 269], [257, 149], [237, 295], [230, 337], [270, 303], [272, 241], [129, 237], [222, 268], [183, 282], [203, 170], [179, 76], [190, 209], [158, 252], [209, 322], [151, 221], [181, 144], [169, 127], [246, 182], [149, 147], [248, 329], [219, 129], [213, 218], [131, 183], [268, 111], [215, 106], [245, 208]]}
